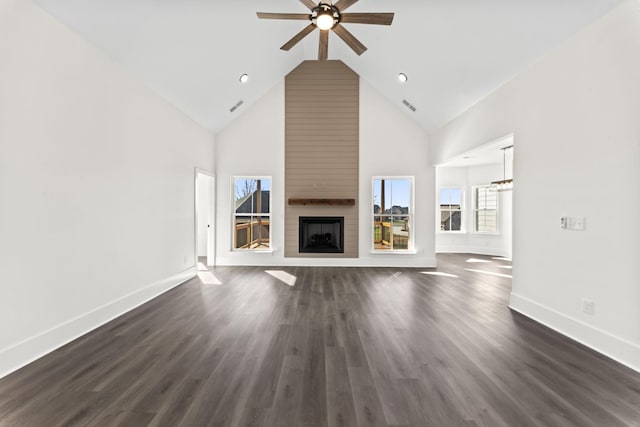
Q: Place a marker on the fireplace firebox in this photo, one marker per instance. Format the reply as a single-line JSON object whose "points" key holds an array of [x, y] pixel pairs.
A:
{"points": [[324, 234]]}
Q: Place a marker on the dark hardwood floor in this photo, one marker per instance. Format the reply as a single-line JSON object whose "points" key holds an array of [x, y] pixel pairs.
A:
{"points": [[342, 347]]}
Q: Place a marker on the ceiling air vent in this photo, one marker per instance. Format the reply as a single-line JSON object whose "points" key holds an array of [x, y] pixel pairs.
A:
{"points": [[409, 106], [235, 107]]}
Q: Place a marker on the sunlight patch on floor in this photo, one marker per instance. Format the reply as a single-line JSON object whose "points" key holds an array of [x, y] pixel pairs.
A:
{"points": [[505, 266], [439, 273], [208, 278], [501, 258], [283, 276], [202, 267], [478, 260], [508, 276]]}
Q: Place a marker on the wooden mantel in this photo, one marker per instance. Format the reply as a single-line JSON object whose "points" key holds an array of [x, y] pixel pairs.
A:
{"points": [[322, 202]]}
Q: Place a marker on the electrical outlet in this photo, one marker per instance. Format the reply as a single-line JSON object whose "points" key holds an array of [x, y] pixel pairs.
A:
{"points": [[588, 306]]}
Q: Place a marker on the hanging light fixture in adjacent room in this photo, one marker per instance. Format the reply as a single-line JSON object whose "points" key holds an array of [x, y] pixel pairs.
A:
{"points": [[505, 184]]}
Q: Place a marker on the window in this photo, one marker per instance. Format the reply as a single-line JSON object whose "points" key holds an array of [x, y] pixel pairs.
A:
{"points": [[451, 209], [485, 210], [252, 213], [392, 212]]}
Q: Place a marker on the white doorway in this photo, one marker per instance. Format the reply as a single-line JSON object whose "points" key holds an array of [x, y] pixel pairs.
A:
{"points": [[474, 212], [205, 215]]}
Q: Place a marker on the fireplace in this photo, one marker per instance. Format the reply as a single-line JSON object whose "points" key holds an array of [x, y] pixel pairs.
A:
{"points": [[321, 234]]}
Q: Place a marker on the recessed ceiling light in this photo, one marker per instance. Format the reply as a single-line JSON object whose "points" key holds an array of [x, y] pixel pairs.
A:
{"points": [[244, 78], [402, 77]]}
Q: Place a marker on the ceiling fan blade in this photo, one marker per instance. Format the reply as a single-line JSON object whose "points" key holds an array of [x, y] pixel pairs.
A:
{"points": [[343, 5], [309, 3], [295, 39], [350, 39], [302, 16], [368, 18], [323, 48]]}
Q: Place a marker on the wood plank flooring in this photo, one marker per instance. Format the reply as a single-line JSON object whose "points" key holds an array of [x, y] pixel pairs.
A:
{"points": [[342, 347]]}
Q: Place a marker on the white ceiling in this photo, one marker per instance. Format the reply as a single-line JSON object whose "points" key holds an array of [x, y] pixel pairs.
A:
{"points": [[487, 154], [455, 52]]}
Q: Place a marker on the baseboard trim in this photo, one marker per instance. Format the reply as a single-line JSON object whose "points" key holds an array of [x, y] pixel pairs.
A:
{"points": [[614, 347], [21, 354], [377, 260], [471, 250]]}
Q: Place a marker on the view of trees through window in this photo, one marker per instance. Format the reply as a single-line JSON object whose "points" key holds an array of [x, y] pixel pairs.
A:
{"points": [[391, 213], [451, 209], [252, 213]]}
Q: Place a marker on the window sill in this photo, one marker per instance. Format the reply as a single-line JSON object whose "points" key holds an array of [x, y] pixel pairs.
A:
{"points": [[252, 251], [481, 233], [387, 252], [452, 233]]}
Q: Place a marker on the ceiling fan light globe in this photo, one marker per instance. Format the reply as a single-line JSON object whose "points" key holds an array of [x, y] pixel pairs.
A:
{"points": [[325, 21]]}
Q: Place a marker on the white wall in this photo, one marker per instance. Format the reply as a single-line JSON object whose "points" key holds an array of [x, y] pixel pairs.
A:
{"points": [[390, 144], [575, 115], [393, 145], [96, 187], [252, 145], [498, 244]]}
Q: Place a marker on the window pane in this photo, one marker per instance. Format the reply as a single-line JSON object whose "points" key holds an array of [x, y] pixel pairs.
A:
{"points": [[262, 197], [260, 232], [486, 198], [451, 209], [450, 220], [400, 232], [486, 221], [377, 196], [382, 232], [252, 195], [445, 220], [456, 220], [400, 193], [450, 197], [445, 199], [391, 213], [251, 232], [244, 192], [455, 197], [242, 232], [486, 213], [252, 209]]}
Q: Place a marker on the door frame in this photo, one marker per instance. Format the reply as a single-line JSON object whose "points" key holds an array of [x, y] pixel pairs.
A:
{"points": [[211, 235]]}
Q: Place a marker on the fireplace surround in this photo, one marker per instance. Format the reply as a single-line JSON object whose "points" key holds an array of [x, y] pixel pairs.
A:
{"points": [[321, 234]]}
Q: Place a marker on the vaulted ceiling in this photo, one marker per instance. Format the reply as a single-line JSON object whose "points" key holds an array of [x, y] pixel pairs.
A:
{"points": [[455, 52]]}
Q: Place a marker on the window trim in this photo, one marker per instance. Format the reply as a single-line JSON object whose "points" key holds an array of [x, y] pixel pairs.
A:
{"points": [[412, 215], [234, 214], [474, 229], [463, 213]]}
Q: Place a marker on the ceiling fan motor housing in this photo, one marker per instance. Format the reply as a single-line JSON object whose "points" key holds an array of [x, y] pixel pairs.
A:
{"points": [[325, 9], [327, 17]]}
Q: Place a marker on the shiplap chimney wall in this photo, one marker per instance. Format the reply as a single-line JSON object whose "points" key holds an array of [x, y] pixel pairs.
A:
{"points": [[322, 100]]}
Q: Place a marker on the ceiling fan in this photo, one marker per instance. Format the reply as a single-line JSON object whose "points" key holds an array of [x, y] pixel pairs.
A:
{"points": [[326, 17]]}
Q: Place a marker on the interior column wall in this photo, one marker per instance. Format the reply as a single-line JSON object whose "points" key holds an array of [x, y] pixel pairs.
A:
{"points": [[574, 115]]}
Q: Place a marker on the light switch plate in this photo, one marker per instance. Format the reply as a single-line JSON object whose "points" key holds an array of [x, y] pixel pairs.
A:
{"points": [[576, 223]]}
